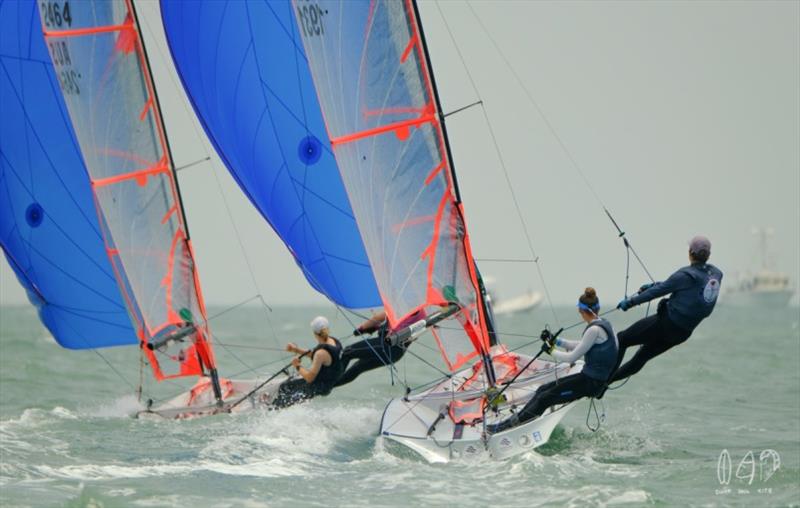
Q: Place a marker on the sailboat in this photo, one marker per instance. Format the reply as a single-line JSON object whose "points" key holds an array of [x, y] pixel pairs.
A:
{"points": [[765, 287], [378, 95], [377, 121], [92, 220], [49, 231], [331, 107], [526, 302]]}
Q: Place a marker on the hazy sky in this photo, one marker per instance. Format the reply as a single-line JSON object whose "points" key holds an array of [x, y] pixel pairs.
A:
{"points": [[684, 117]]}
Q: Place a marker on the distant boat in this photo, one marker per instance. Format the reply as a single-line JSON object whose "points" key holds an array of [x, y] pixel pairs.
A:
{"points": [[765, 287], [504, 307], [522, 303]]}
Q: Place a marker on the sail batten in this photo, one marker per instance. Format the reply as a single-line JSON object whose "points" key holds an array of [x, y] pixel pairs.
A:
{"points": [[377, 94], [105, 79]]}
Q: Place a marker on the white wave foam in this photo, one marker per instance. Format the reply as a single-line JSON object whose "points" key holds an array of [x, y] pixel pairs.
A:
{"points": [[35, 417], [122, 407], [125, 492]]}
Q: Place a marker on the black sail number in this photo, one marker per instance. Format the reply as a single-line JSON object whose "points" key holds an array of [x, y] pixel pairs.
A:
{"points": [[311, 19], [60, 53], [68, 77], [56, 14], [69, 81]]}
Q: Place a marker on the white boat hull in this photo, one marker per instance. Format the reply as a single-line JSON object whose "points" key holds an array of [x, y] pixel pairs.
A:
{"points": [[238, 396], [522, 303], [771, 299], [423, 424]]}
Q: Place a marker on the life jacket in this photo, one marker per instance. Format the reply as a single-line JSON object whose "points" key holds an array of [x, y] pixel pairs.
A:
{"points": [[601, 358], [328, 375]]}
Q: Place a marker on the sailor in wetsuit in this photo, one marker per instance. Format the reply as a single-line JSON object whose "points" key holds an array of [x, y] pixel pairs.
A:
{"points": [[598, 346], [377, 351], [321, 376], [694, 290]]}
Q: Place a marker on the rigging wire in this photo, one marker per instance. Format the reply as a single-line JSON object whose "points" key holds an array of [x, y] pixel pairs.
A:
{"points": [[504, 260], [230, 215], [192, 164], [534, 256], [554, 133], [201, 139]]}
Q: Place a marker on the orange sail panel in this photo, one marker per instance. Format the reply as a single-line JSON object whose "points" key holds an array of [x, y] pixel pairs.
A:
{"points": [[99, 59], [377, 95]]}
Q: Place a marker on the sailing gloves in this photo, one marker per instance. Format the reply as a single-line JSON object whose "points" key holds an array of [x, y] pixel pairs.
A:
{"points": [[625, 304], [548, 340], [645, 287]]}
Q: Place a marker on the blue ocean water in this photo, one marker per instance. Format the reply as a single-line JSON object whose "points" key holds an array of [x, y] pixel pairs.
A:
{"points": [[729, 397]]}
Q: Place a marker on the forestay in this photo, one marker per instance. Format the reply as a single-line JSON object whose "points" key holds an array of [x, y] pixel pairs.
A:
{"points": [[378, 98], [97, 52]]}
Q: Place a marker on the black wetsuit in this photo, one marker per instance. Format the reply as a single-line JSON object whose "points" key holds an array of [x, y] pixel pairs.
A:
{"points": [[656, 334], [369, 354], [375, 351], [297, 390], [694, 292]]}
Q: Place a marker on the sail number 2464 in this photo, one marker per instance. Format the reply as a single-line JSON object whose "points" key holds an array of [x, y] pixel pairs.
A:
{"points": [[56, 14], [310, 16]]}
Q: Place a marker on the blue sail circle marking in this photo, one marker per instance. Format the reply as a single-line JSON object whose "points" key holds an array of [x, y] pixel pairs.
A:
{"points": [[34, 215], [309, 150]]}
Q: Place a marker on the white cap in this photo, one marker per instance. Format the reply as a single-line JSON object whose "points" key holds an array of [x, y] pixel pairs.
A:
{"points": [[319, 323]]}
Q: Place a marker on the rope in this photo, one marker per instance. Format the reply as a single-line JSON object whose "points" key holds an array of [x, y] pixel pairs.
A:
{"points": [[243, 346], [504, 260], [229, 309], [444, 374], [553, 132], [500, 158], [578, 323], [141, 375], [208, 158], [535, 105], [599, 418], [619, 385], [390, 365]]}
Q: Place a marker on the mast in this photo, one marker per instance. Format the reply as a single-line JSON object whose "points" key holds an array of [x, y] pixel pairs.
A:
{"points": [[107, 85], [481, 292], [206, 355], [160, 116], [396, 164], [436, 99]]}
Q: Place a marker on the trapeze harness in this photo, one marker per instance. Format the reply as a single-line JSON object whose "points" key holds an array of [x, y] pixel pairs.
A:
{"points": [[297, 390], [600, 361], [328, 375]]}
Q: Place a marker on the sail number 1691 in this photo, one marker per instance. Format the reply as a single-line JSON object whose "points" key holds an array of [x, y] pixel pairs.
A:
{"points": [[310, 16]]}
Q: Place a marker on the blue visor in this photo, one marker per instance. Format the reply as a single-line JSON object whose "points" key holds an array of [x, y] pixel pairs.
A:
{"points": [[593, 308]]}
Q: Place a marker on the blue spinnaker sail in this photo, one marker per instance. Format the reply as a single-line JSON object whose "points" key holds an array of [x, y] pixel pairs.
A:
{"points": [[246, 74], [48, 223]]}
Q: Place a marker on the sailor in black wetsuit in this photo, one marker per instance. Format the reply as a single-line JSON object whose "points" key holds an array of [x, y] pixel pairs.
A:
{"points": [[694, 290], [374, 352], [320, 378], [598, 346]]}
